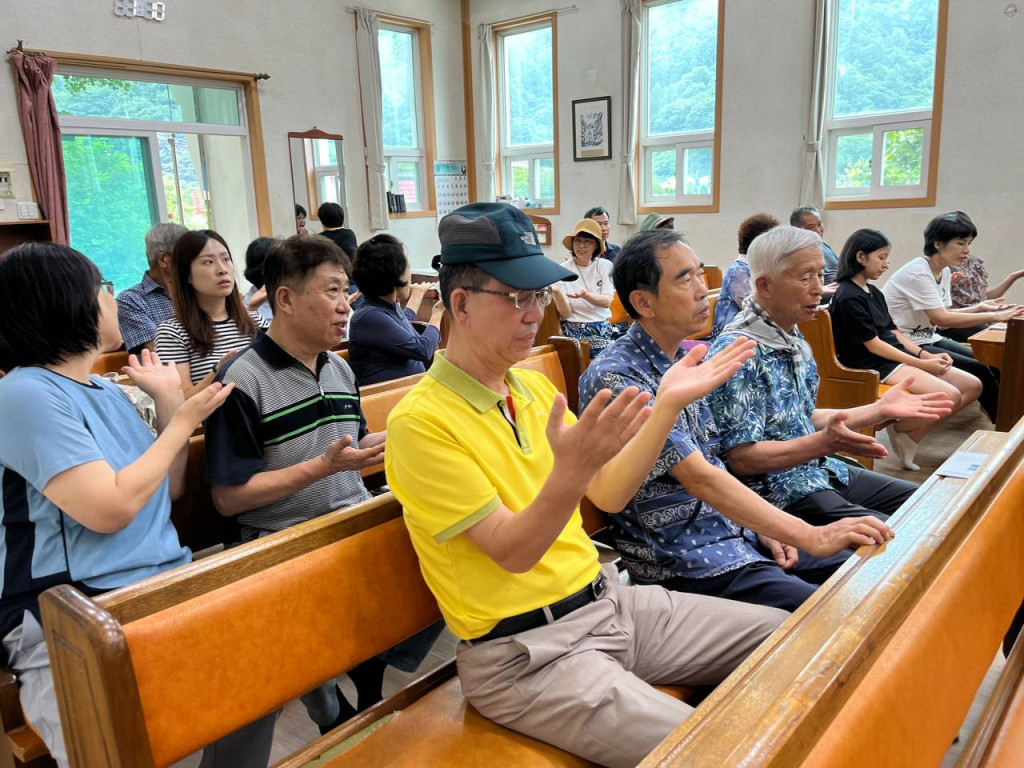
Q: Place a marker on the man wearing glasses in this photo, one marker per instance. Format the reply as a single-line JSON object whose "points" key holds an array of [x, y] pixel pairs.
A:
{"points": [[490, 468]]}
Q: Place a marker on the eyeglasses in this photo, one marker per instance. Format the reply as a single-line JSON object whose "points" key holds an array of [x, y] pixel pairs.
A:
{"points": [[108, 286], [521, 299]]}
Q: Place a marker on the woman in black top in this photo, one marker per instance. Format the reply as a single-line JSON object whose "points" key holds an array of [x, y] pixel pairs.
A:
{"points": [[866, 337]]}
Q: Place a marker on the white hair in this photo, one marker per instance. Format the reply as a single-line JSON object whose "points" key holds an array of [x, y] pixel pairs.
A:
{"points": [[769, 252]]}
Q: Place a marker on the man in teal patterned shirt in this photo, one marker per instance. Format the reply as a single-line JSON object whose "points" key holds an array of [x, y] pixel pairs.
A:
{"points": [[772, 435]]}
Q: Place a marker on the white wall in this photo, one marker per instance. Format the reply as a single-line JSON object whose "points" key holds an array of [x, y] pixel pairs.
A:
{"points": [[766, 81], [307, 48]]}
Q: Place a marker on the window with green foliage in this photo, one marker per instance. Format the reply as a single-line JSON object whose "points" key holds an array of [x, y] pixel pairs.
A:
{"points": [[679, 82], [526, 114], [881, 91], [402, 113], [138, 152]]}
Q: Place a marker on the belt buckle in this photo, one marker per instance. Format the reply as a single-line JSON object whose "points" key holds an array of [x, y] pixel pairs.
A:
{"points": [[597, 586]]}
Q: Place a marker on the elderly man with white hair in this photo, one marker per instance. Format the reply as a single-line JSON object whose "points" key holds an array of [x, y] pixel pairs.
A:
{"points": [[141, 308], [772, 435]]}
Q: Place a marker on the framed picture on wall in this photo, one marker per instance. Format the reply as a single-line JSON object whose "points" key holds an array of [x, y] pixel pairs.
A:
{"points": [[592, 129]]}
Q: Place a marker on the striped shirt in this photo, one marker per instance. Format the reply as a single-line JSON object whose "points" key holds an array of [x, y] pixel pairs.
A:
{"points": [[281, 414], [173, 344]]}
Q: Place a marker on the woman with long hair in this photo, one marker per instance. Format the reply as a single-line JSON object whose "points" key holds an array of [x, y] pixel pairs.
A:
{"points": [[210, 321], [584, 304], [866, 337], [87, 488], [382, 342]]}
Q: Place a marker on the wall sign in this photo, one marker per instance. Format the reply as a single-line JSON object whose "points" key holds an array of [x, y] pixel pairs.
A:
{"points": [[142, 9]]}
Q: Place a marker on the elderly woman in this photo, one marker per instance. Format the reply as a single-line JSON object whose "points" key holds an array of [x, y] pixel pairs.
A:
{"points": [[210, 322], [736, 281], [919, 299], [584, 304], [88, 489], [866, 337], [382, 342]]}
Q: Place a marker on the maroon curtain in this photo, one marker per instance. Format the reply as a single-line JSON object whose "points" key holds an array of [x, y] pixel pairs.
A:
{"points": [[41, 129]]}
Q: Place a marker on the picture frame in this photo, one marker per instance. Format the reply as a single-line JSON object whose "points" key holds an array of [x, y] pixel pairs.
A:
{"points": [[592, 129]]}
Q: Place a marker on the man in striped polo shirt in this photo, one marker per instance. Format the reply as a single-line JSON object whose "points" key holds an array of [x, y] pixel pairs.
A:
{"points": [[292, 440]]}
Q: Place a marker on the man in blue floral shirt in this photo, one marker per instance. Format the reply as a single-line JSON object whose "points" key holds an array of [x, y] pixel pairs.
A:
{"points": [[772, 434], [684, 527]]}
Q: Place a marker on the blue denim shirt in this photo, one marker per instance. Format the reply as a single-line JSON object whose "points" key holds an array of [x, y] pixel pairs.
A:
{"points": [[763, 401], [664, 531]]}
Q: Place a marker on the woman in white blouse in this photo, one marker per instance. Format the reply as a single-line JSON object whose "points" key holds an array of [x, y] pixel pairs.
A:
{"points": [[584, 304]]}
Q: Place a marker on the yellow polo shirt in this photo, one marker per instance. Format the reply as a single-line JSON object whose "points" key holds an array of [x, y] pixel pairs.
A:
{"points": [[452, 458]]}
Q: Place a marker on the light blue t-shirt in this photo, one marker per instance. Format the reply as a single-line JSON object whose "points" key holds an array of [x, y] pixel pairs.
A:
{"points": [[48, 424]]}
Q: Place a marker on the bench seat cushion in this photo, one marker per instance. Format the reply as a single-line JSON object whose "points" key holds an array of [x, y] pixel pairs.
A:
{"points": [[441, 730]]}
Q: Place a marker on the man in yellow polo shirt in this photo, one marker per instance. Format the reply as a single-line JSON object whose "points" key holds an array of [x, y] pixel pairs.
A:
{"points": [[490, 467]]}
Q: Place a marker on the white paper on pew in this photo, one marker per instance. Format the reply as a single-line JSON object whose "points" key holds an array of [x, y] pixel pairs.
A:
{"points": [[998, 326], [961, 464]]}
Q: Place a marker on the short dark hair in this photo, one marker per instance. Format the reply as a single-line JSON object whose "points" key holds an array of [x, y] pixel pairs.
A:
{"points": [[637, 265], [300, 211], [861, 241], [946, 227], [379, 265], [49, 305], [255, 255], [186, 305], [796, 218], [452, 276], [331, 215], [292, 261], [597, 210], [751, 227]]}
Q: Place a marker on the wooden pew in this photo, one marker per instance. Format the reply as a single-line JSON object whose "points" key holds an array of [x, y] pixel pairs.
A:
{"points": [[20, 745], [997, 740], [110, 362], [840, 387], [712, 277], [881, 664], [1004, 349], [148, 674]]}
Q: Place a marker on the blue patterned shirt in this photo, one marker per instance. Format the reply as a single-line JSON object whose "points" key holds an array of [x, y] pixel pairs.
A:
{"points": [[763, 401], [664, 531], [140, 309], [735, 288]]}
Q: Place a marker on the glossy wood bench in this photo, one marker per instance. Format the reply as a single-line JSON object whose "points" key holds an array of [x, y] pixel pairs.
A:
{"points": [[150, 673], [881, 664]]}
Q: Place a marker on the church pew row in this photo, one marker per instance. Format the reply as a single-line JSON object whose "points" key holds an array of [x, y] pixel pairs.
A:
{"points": [[997, 740], [840, 387], [148, 674], [881, 665], [1011, 389]]}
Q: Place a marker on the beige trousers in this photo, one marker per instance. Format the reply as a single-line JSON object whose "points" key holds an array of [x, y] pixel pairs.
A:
{"points": [[584, 682]]}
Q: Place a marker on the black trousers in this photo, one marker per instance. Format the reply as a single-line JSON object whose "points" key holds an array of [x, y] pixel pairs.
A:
{"points": [[965, 360], [962, 334], [867, 493]]}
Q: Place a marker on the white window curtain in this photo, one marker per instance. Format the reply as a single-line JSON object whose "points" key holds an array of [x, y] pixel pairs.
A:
{"points": [[373, 136], [632, 33], [485, 188], [812, 183]]}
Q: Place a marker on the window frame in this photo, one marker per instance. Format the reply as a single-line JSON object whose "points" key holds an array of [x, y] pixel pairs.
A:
{"points": [[77, 125], [532, 153], [424, 154], [879, 195], [647, 145]]}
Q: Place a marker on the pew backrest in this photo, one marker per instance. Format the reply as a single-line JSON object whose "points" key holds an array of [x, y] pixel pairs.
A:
{"points": [[150, 673]]}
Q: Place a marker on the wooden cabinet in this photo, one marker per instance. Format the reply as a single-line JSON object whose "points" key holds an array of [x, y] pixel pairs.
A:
{"points": [[14, 233]]}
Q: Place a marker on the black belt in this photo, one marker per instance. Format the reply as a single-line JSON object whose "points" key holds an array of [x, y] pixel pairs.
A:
{"points": [[522, 622]]}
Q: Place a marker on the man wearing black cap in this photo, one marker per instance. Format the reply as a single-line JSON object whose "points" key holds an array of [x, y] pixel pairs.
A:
{"points": [[490, 468]]}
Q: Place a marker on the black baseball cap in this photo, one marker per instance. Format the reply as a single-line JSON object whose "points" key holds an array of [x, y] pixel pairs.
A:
{"points": [[501, 240]]}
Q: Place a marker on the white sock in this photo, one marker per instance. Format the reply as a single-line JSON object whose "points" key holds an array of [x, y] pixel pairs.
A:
{"points": [[903, 446]]}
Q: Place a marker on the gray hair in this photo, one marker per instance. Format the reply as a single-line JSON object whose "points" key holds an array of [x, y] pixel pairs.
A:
{"points": [[768, 253], [796, 218], [161, 239]]}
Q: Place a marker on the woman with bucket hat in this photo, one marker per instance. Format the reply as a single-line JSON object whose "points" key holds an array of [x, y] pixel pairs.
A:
{"points": [[583, 304]]}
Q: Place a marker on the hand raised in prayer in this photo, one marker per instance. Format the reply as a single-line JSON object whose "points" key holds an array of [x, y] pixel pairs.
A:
{"points": [[900, 403], [688, 380], [604, 427]]}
